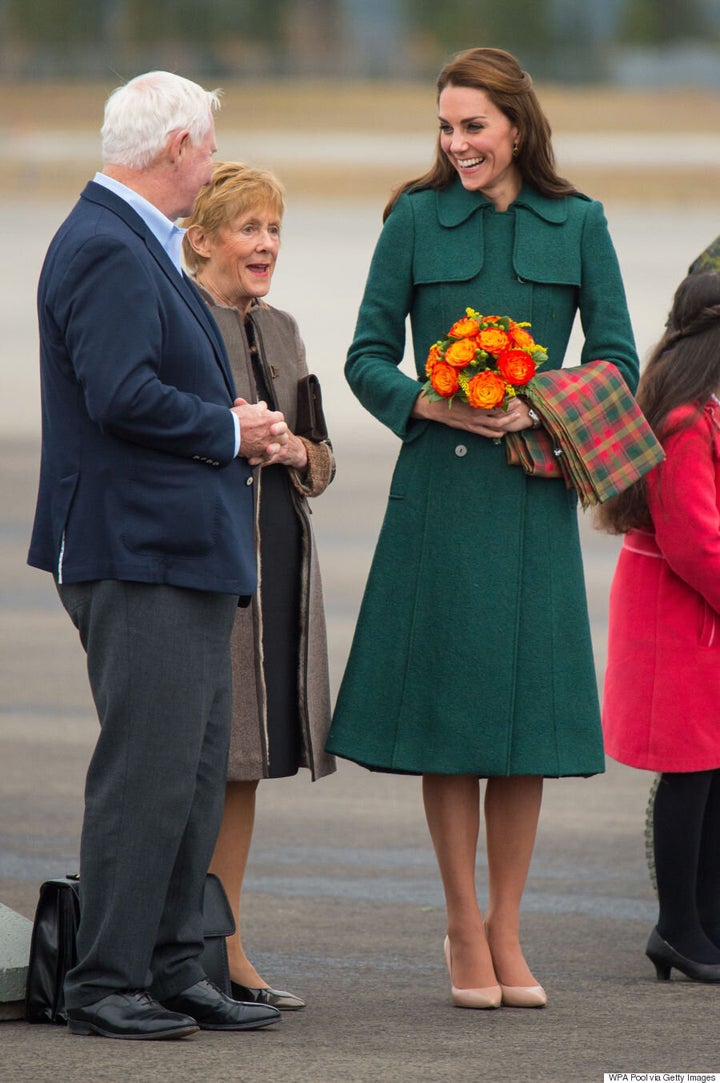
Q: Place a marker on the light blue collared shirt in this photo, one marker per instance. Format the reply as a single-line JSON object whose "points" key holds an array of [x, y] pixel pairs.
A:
{"points": [[168, 234]]}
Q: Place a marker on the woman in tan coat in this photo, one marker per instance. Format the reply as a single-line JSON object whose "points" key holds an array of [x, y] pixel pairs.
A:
{"points": [[281, 699]]}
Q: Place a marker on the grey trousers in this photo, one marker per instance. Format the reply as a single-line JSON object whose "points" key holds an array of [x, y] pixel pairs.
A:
{"points": [[158, 660]]}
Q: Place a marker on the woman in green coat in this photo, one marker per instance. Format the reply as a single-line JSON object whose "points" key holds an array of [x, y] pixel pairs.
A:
{"points": [[472, 656]]}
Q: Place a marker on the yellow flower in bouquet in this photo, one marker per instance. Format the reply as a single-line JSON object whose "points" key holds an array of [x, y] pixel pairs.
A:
{"points": [[482, 361]]}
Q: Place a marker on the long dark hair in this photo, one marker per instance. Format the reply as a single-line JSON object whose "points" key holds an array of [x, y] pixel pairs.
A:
{"points": [[683, 370], [511, 90]]}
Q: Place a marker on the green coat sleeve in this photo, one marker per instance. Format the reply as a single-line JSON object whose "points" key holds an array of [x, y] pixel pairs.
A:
{"points": [[602, 303], [372, 366]]}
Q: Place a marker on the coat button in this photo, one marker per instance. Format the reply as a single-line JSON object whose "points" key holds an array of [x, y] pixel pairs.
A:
{"points": [[248, 481], [460, 450]]}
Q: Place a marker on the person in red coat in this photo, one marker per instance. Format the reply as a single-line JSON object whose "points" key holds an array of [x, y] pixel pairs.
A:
{"points": [[661, 702]]}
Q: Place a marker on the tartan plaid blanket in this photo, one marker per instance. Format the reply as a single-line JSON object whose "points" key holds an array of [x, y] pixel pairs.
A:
{"points": [[595, 436]]}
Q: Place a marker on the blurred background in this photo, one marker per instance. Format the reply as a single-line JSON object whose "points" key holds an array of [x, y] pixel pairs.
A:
{"points": [[627, 41], [337, 97]]}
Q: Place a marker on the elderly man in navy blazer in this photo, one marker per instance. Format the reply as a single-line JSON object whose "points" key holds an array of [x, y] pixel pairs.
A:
{"points": [[144, 519]]}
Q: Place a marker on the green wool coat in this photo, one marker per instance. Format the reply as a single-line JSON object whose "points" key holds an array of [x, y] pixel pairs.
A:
{"points": [[472, 652]]}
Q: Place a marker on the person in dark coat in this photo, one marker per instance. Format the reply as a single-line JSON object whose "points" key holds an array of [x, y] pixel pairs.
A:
{"points": [[144, 519], [662, 680], [472, 655], [281, 695]]}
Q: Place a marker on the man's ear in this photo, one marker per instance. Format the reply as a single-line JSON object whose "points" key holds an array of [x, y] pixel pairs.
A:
{"points": [[178, 143]]}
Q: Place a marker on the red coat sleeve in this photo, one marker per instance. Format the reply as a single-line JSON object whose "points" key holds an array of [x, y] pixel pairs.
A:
{"points": [[683, 500]]}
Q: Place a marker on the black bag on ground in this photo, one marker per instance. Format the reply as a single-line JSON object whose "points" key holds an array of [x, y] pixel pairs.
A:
{"points": [[53, 944]]}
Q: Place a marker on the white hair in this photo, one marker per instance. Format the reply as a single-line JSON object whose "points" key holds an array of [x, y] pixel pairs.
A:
{"points": [[140, 115]]}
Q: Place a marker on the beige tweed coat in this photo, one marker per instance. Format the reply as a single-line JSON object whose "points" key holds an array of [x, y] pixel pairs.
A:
{"points": [[283, 356]]}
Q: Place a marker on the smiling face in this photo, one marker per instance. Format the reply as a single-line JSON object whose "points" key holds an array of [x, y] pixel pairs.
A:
{"points": [[241, 256], [478, 138]]}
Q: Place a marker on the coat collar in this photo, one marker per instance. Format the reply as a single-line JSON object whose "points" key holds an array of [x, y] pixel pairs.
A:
{"points": [[455, 204], [97, 193], [105, 197], [256, 305]]}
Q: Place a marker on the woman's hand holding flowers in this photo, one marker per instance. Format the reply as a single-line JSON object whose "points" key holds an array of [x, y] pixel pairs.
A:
{"points": [[493, 423], [474, 373]]}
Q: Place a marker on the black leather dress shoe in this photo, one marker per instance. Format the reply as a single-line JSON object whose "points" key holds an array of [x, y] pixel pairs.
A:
{"points": [[132, 1015], [214, 1010], [277, 998]]}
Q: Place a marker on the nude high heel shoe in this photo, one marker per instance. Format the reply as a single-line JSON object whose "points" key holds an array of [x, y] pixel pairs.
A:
{"points": [[489, 997], [523, 996]]}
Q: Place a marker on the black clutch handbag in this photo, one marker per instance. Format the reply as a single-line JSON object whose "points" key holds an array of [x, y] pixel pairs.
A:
{"points": [[310, 421], [53, 944]]}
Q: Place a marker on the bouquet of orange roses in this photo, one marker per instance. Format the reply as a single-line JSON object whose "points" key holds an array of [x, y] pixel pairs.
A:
{"points": [[483, 361]]}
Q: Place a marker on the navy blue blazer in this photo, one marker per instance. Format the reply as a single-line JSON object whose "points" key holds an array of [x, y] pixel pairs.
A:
{"points": [[138, 479]]}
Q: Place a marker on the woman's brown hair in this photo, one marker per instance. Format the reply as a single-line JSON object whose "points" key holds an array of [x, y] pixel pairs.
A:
{"points": [[683, 370], [511, 90]]}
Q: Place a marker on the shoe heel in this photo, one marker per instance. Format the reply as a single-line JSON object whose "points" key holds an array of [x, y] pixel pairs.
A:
{"points": [[75, 1026], [662, 968]]}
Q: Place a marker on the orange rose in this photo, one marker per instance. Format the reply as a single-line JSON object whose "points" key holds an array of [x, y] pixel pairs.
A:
{"points": [[467, 327], [432, 358], [493, 340], [516, 366], [459, 354], [443, 379], [520, 337], [486, 390]]}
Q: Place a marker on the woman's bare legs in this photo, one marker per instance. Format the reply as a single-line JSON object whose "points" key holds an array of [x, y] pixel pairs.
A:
{"points": [[229, 863], [452, 810], [512, 809]]}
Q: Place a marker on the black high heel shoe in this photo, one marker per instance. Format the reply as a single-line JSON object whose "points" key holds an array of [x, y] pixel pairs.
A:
{"points": [[664, 957]]}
